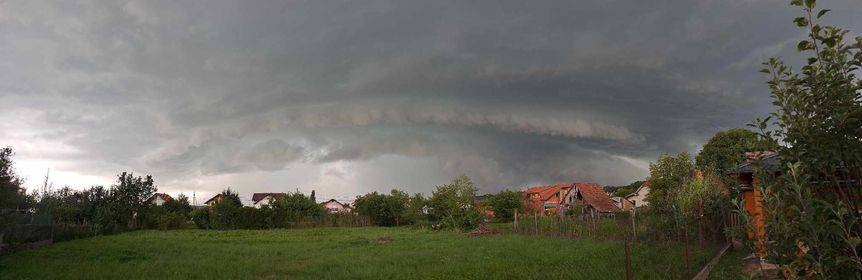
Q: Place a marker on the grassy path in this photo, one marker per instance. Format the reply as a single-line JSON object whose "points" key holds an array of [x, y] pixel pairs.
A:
{"points": [[340, 253]]}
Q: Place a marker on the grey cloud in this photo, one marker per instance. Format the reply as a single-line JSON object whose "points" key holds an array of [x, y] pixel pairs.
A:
{"points": [[511, 92]]}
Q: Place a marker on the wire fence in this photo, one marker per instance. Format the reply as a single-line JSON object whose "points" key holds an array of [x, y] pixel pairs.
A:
{"points": [[626, 227]]}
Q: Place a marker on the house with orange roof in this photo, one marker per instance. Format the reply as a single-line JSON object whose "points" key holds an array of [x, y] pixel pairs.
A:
{"points": [[557, 198], [159, 198], [592, 198], [545, 199]]}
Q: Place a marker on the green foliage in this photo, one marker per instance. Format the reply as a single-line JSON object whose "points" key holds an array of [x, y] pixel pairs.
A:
{"points": [[225, 214], [667, 176], [453, 206], [12, 195], [171, 220], [505, 204], [129, 197], [201, 218], [623, 191], [726, 149], [815, 237], [818, 119], [384, 210], [293, 208], [231, 196]]}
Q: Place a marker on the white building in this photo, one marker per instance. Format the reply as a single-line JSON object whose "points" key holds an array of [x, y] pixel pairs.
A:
{"points": [[638, 198], [333, 206], [159, 198], [258, 200]]}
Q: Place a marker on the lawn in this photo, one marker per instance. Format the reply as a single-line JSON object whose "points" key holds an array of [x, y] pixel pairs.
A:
{"points": [[341, 253]]}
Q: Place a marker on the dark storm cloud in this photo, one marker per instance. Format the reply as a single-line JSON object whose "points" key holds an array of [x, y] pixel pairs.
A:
{"points": [[509, 92]]}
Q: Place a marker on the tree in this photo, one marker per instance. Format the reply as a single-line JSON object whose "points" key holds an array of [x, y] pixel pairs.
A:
{"points": [[818, 119], [384, 210], [12, 195], [701, 202], [726, 149], [130, 196], [624, 190], [294, 208], [505, 204], [414, 211], [667, 176], [232, 196], [453, 204]]}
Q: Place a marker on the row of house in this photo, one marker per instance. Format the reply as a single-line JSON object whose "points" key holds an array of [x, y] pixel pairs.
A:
{"points": [[589, 198], [258, 200]]}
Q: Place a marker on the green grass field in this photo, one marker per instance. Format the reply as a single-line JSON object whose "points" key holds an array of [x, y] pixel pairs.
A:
{"points": [[341, 253]]}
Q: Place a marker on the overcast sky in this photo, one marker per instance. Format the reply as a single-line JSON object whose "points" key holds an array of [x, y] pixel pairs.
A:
{"points": [[347, 97]]}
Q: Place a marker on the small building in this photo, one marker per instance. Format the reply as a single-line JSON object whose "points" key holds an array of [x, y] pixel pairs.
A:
{"points": [[159, 198], [215, 199], [333, 206], [258, 200], [638, 198], [751, 196]]}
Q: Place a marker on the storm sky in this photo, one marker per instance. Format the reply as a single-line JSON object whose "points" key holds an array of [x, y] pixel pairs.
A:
{"points": [[347, 97]]}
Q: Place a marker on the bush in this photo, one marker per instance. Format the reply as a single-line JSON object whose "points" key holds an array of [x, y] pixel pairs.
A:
{"points": [[384, 210], [250, 218], [293, 209], [171, 220], [505, 204], [453, 205], [201, 218], [225, 215]]}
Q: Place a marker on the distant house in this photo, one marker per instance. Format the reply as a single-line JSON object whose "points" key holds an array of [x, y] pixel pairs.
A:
{"points": [[159, 198], [215, 199], [638, 197], [592, 198], [261, 199], [333, 206]]}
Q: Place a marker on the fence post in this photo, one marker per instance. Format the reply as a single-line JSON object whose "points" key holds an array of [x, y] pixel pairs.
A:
{"points": [[560, 223], [515, 224], [685, 240], [634, 225], [536, 223], [628, 259]]}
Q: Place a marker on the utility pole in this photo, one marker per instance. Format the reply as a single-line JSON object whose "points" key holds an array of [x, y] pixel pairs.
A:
{"points": [[45, 184]]}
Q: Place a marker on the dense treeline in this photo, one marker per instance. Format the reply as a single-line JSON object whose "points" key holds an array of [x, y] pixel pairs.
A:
{"points": [[124, 206]]}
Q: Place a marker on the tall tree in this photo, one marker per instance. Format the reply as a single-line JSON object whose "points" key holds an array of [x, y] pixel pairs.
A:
{"points": [[726, 149], [12, 195], [819, 119], [667, 176]]}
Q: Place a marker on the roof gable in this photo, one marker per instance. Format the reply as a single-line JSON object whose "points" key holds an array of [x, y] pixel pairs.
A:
{"points": [[594, 196], [257, 197]]}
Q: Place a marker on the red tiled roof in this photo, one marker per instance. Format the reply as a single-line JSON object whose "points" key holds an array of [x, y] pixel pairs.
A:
{"points": [[215, 198], [547, 192], [256, 197], [596, 197]]}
